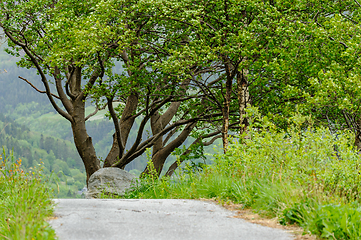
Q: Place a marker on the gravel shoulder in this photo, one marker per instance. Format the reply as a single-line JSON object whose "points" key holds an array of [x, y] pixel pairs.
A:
{"points": [[156, 219]]}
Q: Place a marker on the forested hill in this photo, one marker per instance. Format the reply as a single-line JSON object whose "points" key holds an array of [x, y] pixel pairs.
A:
{"points": [[32, 146], [13, 90], [56, 155]]}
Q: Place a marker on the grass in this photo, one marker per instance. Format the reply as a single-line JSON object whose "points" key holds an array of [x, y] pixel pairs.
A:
{"points": [[25, 202], [303, 176]]}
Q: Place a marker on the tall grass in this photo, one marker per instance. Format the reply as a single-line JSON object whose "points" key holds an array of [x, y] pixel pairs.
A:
{"points": [[305, 175], [25, 202]]}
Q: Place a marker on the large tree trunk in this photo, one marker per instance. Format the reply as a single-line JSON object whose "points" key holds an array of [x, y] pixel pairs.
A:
{"points": [[82, 140], [161, 155], [158, 123], [161, 152], [156, 126]]}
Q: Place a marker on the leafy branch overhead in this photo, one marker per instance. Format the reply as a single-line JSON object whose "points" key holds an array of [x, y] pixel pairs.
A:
{"points": [[187, 68]]}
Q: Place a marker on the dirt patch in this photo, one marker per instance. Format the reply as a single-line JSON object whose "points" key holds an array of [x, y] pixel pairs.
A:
{"points": [[51, 218], [250, 216]]}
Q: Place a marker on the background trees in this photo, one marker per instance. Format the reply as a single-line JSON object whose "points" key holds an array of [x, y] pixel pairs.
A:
{"points": [[187, 68]]}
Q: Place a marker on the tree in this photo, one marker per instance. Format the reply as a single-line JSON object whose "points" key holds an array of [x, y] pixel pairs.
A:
{"points": [[243, 46], [283, 56], [188, 67], [28, 34], [335, 95], [54, 37]]}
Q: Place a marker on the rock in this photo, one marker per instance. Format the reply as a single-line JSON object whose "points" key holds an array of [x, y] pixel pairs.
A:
{"points": [[109, 181]]}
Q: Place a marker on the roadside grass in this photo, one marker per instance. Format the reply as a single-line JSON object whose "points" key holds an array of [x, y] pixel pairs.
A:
{"points": [[305, 176], [25, 202]]}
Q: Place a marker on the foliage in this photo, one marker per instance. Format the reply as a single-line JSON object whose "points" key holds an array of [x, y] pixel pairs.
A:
{"points": [[305, 175], [296, 55], [311, 157], [25, 202], [287, 53]]}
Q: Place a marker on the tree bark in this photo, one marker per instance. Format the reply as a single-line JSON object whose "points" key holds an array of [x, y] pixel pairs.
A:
{"points": [[199, 140], [357, 131], [82, 140], [358, 141], [158, 123], [160, 157], [113, 153], [126, 123], [75, 107], [243, 98], [156, 127], [226, 107]]}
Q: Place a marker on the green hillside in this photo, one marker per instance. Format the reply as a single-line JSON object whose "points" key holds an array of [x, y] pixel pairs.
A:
{"points": [[57, 156]]}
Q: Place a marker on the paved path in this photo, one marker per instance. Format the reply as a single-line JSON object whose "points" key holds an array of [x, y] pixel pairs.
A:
{"points": [[148, 219]]}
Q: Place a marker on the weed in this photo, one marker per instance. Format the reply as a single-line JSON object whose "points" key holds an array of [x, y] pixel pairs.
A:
{"points": [[303, 176], [24, 202]]}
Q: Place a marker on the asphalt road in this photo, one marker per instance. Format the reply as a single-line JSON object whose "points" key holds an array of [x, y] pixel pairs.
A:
{"points": [[158, 219]]}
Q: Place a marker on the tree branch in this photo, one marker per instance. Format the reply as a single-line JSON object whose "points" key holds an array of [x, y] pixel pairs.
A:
{"points": [[139, 135], [40, 71], [148, 143], [182, 158], [170, 135], [357, 3], [116, 126], [97, 109], [64, 99], [37, 88], [95, 75]]}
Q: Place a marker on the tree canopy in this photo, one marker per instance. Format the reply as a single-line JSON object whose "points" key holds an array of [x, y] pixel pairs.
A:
{"points": [[188, 68]]}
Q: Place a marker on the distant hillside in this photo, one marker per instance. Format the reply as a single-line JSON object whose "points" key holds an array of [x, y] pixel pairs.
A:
{"points": [[57, 155], [14, 90]]}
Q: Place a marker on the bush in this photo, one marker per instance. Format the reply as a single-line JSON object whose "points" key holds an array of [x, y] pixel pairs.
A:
{"points": [[70, 181], [80, 177], [303, 175], [63, 166], [79, 185]]}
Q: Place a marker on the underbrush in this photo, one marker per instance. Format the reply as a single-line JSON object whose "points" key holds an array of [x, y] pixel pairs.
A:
{"points": [[25, 202], [305, 176]]}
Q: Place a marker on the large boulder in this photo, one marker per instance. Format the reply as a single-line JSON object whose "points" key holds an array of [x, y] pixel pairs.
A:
{"points": [[109, 181]]}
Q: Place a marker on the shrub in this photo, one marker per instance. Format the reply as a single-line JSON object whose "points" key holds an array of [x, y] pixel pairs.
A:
{"points": [[304, 175], [80, 177], [313, 158], [70, 181]]}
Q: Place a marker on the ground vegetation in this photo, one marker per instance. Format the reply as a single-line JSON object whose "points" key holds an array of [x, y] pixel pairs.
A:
{"points": [[25, 202]]}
